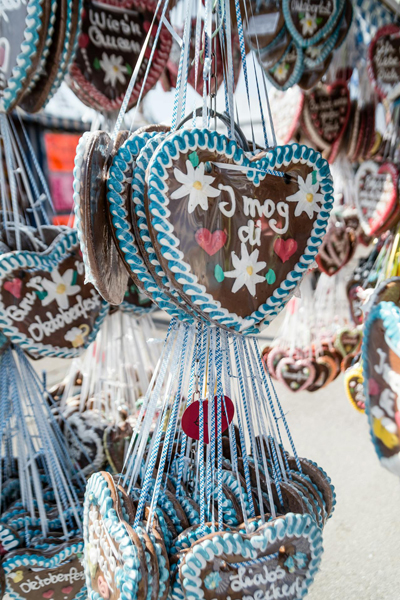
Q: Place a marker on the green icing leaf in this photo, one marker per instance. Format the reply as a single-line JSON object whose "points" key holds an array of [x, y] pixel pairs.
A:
{"points": [[194, 159], [314, 177], [128, 68], [319, 20], [41, 295], [96, 64], [74, 278], [301, 16], [270, 277], [219, 274]]}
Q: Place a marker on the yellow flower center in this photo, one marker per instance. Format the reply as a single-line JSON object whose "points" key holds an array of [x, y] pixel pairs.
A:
{"points": [[198, 185], [310, 197], [115, 68], [250, 270], [60, 289]]}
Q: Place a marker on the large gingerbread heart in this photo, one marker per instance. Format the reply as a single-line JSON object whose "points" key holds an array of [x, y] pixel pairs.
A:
{"points": [[273, 211], [384, 62], [111, 39], [376, 196], [112, 552], [45, 306], [381, 362], [279, 560], [56, 573]]}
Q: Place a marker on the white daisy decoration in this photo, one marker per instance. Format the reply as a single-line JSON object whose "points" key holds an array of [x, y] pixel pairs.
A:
{"points": [[60, 288], [280, 72], [246, 270], [313, 52], [309, 23], [113, 68], [195, 184], [307, 197]]}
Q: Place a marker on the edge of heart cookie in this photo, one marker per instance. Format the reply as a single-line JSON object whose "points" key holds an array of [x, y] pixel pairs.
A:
{"points": [[273, 159], [297, 71], [328, 27], [327, 48], [24, 58], [126, 241], [389, 313], [21, 259], [385, 30]]}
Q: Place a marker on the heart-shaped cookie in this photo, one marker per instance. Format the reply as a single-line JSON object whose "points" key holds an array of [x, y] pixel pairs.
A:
{"points": [[53, 312], [336, 249], [46, 574], [354, 386], [191, 418], [288, 70], [327, 112], [112, 552], [297, 375], [348, 341], [280, 559], [110, 41], [199, 179], [384, 62], [381, 362], [377, 196], [310, 21]]}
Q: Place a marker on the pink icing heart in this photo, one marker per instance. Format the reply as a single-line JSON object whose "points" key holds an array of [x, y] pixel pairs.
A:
{"points": [[67, 590], [14, 287], [48, 594], [397, 418], [210, 242], [373, 387], [285, 248]]}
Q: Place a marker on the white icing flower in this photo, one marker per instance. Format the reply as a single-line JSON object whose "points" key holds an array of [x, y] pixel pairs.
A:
{"points": [[114, 69], [307, 197], [60, 288], [280, 72], [309, 23], [313, 52], [195, 184], [245, 271]]}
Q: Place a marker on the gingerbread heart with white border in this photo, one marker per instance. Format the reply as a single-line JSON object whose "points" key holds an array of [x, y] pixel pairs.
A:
{"points": [[45, 305], [384, 62], [376, 196], [56, 573], [279, 560], [273, 209], [326, 113], [381, 362], [310, 21]]}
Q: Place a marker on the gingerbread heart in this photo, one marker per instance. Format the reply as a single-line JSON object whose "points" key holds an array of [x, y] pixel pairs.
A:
{"points": [[110, 42], [327, 112], [354, 386], [288, 70], [56, 313], [297, 375], [110, 545], [381, 361], [348, 341], [199, 179], [376, 196], [384, 62], [56, 573], [280, 559], [309, 22], [336, 250]]}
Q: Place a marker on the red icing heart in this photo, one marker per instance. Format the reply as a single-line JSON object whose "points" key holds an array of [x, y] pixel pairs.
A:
{"points": [[67, 590], [397, 418], [285, 248], [48, 594], [373, 387], [14, 287], [210, 242], [191, 418]]}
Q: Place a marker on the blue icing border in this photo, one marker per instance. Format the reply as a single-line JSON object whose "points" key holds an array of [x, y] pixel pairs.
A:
{"points": [[60, 249], [291, 525], [33, 23], [49, 38], [327, 47], [121, 165], [389, 313], [298, 38], [182, 142], [98, 493]]}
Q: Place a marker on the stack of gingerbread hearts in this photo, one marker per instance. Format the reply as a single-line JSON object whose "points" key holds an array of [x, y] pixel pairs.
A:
{"points": [[295, 42]]}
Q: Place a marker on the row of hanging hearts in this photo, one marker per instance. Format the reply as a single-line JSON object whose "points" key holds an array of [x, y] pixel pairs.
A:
{"points": [[295, 45], [185, 215], [314, 368]]}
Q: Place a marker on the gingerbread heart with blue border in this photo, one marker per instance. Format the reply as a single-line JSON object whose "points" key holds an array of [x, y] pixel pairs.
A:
{"points": [[56, 573], [311, 20], [279, 560], [235, 233], [381, 372], [45, 305]]}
